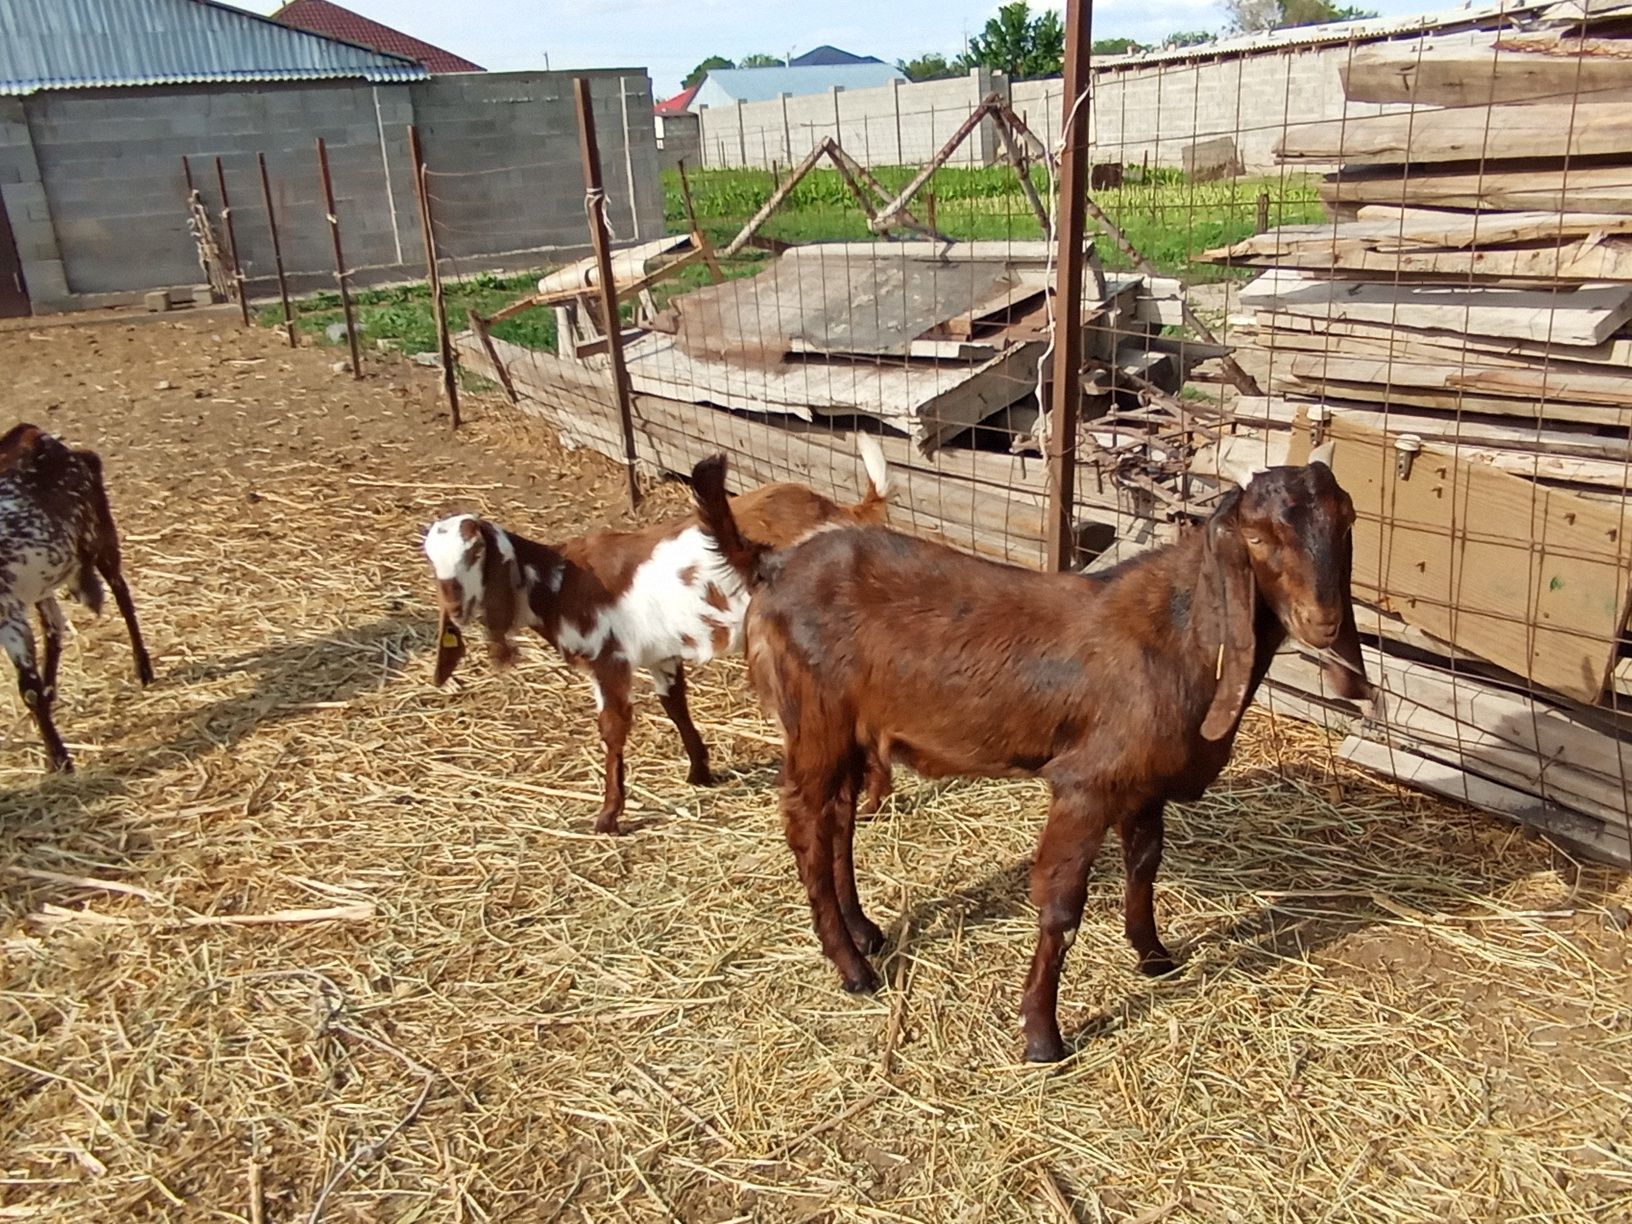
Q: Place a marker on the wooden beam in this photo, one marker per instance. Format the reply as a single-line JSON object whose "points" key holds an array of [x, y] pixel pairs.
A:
{"points": [[1549, 129], [1496, 186], [1482, 68]]}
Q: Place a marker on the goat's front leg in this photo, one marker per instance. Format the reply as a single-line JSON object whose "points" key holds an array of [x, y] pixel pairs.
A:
{"points": [[18, 641], [127, 609], [1059, 887], [55, 625], [670, 681], [612, 701], [1141, 856]]}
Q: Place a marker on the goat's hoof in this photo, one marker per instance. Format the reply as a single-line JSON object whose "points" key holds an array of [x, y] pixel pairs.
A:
{"points": [[607, 822], [62, 764], [1158, 964], [864, 981], [867, 936], [1045, 1048], [700, 775]]}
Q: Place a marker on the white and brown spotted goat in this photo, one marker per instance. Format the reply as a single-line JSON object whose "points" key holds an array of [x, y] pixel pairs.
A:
{"points": [[612, 601], [56, 532]]}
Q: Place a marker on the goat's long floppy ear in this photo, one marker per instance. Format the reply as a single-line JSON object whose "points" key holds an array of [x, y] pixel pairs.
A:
{"points": [[501, 588], [450, 648], [1348, 682], [1227, 582]]}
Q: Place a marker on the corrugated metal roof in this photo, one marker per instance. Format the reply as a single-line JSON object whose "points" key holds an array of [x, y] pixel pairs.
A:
{"points": [[724, 86], [1367, 29], [330, 20], [68, 44]]}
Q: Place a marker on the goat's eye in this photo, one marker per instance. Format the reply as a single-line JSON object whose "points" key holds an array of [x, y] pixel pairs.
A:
{"points": [[1255, 541]]}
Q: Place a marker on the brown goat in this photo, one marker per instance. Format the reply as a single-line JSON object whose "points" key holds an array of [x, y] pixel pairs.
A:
{"points": [[56, 531], [612, 601], [1123, 689]]}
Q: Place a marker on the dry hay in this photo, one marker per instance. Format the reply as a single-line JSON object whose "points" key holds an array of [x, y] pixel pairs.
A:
{"points": [[1389, 1010]]}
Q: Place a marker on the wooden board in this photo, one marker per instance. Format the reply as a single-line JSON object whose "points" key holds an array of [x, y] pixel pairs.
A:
{"points": [[1481, 68], [1381, 227], [1550, 441], [1533, 579], [1538, 385], [1582, 316], [1399, 345], [1546, 186], [1470, 133], [1586, 259], [1453, 401], [1616, 351]]}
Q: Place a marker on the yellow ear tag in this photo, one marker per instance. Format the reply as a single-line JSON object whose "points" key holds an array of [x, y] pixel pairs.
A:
{"points": [[450, 639]]}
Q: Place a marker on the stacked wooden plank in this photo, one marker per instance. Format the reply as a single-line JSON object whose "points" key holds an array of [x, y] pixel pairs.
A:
{"points": [[1462, 327]]}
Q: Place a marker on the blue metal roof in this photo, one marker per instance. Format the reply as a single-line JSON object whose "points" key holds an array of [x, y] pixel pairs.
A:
{"points": [[724, 86], [69, 44]]}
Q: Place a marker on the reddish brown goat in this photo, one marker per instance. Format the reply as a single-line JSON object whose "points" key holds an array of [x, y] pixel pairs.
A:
{"points": [[56, 532], [612, 601], [1123, 689]]}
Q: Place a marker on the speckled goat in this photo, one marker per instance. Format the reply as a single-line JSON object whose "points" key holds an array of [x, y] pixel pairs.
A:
{"points": [[56, 532]]}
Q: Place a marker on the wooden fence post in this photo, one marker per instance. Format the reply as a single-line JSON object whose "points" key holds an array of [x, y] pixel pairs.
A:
{"points": [[595, 198], [433, 277], [232, 243], [339, 257], [277, 250], [1071, 217]]}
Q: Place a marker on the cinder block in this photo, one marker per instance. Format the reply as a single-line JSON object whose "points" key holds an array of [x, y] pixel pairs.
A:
{"points": [[157, 300]]}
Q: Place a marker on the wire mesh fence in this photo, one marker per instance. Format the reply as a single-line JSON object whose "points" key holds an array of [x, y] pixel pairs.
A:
{"points": [[1412, 246]]}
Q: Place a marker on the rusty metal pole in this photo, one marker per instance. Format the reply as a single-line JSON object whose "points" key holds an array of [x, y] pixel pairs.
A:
{"points": [[339, 257], [595, 201], [433, 278], [232, 243], [1070, 221], [277, 251]]}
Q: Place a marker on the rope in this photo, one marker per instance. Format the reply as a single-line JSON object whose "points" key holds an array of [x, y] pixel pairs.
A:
{"points": [[595, 201]]}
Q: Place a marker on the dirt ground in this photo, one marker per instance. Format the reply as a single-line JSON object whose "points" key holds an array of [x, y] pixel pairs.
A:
{"points": [[1388, 1009]]}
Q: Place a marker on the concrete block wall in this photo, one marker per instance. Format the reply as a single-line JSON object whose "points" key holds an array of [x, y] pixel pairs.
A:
{"points": [[1139, 112], [502, 151], [27, 209], [679, 139], [93, 181], [894, 125]]}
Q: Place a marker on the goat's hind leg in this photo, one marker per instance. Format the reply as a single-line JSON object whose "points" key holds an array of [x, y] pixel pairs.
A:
{"points": [[808, 820], [614, 714], [127, 609], [1141, 832], [863, 930], [17, 639], [670, 681]]}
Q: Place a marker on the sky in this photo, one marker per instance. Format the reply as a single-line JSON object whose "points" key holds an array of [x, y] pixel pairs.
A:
{"points": [[668, 37]]}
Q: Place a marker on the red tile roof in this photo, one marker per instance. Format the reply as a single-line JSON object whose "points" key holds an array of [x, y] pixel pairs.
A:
{"points": [[332, 21], [677, 105]]}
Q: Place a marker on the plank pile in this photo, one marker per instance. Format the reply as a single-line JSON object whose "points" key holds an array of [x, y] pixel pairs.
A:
{"points": [[1462, 328]]}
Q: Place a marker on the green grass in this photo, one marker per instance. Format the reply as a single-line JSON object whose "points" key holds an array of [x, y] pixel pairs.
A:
{"points": [[1170, 220], [402, 313]]}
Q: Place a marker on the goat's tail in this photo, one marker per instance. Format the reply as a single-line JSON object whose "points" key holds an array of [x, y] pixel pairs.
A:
{"points": [[714, 510], [874, 507]]}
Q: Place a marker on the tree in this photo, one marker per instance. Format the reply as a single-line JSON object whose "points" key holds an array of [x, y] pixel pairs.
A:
{"points": [[1187, 38], [696, 75], [1116, 46], [931, 66], [1249, 16], [758, 60], [1018, 43]]}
